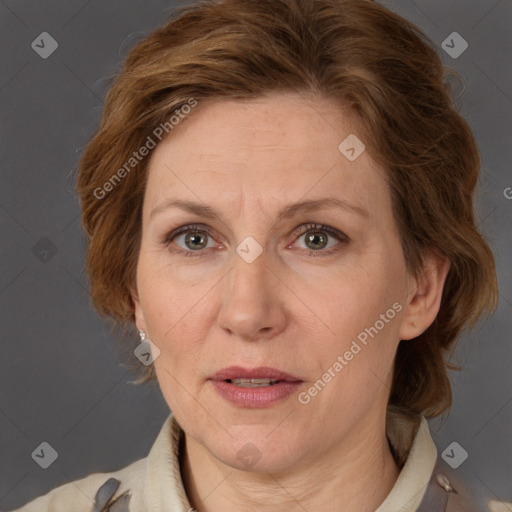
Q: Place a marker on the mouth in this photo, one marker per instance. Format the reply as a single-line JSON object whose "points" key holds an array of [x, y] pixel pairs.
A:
{"points": [[256, 387], [253, 378]]}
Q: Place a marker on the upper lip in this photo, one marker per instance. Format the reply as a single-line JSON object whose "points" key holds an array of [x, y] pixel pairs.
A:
{"points": [[262, 372]]}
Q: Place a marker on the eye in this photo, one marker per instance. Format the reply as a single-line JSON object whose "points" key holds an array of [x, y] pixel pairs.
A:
{"points": [[318, 237], [194, 238]]}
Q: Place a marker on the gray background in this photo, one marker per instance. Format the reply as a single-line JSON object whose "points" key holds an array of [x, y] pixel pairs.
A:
{"points": [[61, 378]]}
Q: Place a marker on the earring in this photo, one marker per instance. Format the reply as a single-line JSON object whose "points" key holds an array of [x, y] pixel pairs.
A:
{"points": [[142, 335]]}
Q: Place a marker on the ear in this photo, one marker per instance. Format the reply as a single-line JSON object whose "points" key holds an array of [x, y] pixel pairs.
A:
{"points": [[139, 316], [425, 296]]}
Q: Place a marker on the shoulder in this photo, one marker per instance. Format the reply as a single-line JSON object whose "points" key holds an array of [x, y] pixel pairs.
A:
{"points": [[448, 492], [115, 491], [81, 495]]}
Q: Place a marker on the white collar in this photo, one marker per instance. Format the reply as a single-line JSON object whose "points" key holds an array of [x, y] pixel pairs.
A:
{"points": [[409, 436]]}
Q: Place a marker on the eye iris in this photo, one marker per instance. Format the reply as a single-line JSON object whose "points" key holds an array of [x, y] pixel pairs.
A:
{"points": [[196, 236], [314, 237]]}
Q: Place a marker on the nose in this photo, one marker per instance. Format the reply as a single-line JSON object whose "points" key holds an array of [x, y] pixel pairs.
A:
{"points": [[252, 306]]}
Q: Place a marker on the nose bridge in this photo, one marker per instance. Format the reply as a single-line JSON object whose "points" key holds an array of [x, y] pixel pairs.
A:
{"points": [[249, 273], [249, 304]]}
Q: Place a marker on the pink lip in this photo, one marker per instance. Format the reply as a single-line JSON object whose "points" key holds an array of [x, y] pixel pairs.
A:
{"points": [[254, 397]]}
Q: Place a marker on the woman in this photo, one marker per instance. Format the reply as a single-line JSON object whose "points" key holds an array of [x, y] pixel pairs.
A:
{"points": [[279, 199]]}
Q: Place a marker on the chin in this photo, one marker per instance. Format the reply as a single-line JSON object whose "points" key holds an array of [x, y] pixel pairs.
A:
{"points": [[257, 449]]}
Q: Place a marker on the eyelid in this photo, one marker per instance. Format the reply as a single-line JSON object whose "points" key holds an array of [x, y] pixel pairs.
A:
{"points": [[188, 227], [304, 228]]}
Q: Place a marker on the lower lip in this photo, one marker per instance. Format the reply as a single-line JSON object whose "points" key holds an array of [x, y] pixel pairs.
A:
{"points": [[255, 397]]}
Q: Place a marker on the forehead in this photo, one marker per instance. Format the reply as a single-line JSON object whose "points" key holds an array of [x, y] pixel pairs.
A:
{"points": [[280, 147]]}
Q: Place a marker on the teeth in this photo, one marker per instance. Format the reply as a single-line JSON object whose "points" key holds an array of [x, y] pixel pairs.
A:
{"points": [[252, 383]]}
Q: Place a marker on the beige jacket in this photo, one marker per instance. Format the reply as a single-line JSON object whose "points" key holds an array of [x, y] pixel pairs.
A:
{"points": [[153, 484]]}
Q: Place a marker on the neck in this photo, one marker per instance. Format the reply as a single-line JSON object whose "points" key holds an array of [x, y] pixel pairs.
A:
{"points": [[354, 476]]}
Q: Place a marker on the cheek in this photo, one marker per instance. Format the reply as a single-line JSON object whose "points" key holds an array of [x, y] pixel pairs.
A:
{"points": [[362, 303], [176, 326], [172, 316], [365, 318], [164, 299], [355, 371]]}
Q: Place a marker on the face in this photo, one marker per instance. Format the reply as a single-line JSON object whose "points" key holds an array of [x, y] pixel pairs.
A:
{"points": [[246, 284]]}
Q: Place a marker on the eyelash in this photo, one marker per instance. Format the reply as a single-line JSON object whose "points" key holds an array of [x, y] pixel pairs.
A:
{"points": [[302, 230]]}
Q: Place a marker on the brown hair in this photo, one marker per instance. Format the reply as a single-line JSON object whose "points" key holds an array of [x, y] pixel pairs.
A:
{"points": [[354, 51]]}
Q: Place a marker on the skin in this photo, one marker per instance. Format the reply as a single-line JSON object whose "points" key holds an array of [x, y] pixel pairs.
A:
{"points": [[287, 309]]}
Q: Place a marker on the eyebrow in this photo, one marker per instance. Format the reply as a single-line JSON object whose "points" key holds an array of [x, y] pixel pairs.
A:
{"points": [[287, 212]]}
